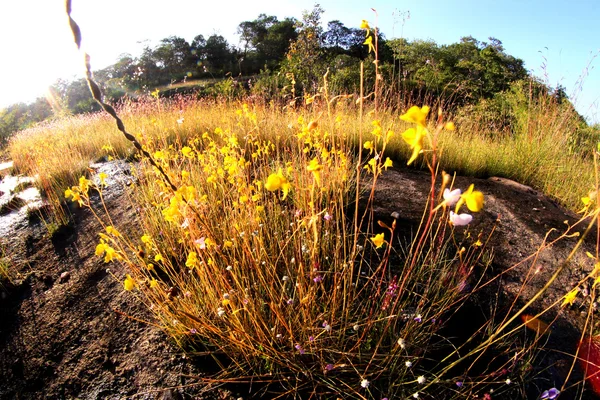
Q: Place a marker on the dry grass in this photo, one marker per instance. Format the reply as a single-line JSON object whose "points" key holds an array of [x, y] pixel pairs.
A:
{"points": [[260, 254]]}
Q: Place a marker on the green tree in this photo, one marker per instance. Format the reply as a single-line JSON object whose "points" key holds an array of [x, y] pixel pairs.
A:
{"points": [[217, 56], [305, 57], [265, 41]]}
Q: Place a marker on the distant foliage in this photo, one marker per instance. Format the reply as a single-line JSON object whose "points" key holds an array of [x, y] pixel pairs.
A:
{"points": [[20, 116], [287, 59]]}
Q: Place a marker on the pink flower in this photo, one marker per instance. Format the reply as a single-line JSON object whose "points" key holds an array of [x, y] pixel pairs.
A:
{"points": [[460, 219], [200, 243], [451, 197]]}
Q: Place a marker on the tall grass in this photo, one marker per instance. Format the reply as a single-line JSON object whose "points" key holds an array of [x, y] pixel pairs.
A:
{"points": [[261, 254], [256, 257]]}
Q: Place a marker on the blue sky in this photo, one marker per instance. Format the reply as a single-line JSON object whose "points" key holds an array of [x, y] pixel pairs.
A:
{"points": [[556, 39]]}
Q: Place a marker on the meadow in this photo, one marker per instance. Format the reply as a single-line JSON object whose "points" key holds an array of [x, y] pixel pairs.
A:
{"points": [[260, 248], [255, 247]]}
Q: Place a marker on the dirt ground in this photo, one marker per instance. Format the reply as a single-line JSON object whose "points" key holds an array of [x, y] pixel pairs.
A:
{"points": [[68, 330]]}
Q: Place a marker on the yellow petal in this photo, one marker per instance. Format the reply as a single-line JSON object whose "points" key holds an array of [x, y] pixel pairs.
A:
{"points": [[449, 126], [416, 115], [570, 297], [129, 283], [415, 154], [475, 201], [378, 240]]}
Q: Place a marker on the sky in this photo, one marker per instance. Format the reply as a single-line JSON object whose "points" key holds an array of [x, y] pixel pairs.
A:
{"points": [[558, 40]]}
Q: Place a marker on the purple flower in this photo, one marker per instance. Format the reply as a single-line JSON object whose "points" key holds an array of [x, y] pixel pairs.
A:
{"points": [[329, 367], [459, 384], [299, 348], [193, 331], [391, 290], [418, 318], [550, 394], [327, 216], [311, 338], [318, 278]]}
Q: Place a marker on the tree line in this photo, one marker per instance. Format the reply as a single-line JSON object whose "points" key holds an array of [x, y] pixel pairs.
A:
{"points": [[289, 57]]}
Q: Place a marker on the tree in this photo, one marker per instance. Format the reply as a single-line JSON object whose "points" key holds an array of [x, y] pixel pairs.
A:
{"points": [[337, 38], [175, 58], [304, 59], [265, 41], [217, 56]]}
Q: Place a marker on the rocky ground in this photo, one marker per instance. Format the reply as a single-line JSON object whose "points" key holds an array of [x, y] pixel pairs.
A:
{"points": [[68, 330]]}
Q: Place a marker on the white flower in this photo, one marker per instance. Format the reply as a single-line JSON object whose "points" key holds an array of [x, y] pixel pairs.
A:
{"points": [[356, 327], [408, 364], [508, 381], [402, 343], [364, 383], [421, 380], [460, 219], [285, 278], [451, 197], [220, 311], [416, 395]]}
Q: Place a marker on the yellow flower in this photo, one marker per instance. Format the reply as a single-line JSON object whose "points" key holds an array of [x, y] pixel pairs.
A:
{"points": [[129, 283], [187, 151], [371, 165], [84, 184], [570, 297], [378, 240], [278, 182], [102, 176], [369, 42], [474, 199], [376, 129], [369, 145], [110, 254], [387, 163], [588, 201], [153, 283], [74, 194], [449, 126], [158, 258], [315, 168], [192, 259], [364, 24], [416, 115], [101, 248], [112, 231], [414, 138], [146, 239]]}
